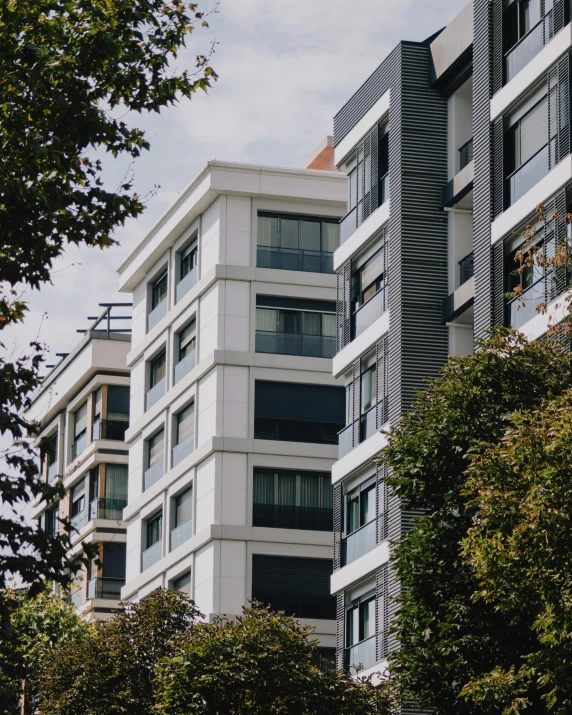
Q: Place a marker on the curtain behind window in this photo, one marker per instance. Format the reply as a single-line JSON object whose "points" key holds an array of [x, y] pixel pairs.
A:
{"points": [[80, 420], [267, 231], [264, 487], [312, 323], [266, 320], [330, 237], [116, 481]]}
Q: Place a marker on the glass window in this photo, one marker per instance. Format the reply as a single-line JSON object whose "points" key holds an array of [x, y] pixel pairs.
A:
{"points": [[156, 447], [154, 530], [80, 421], [185, 423], [52, 449], [118, 403], [360, 620], [158, 368], [183, 583], [78, 498], [97, 401], [310, 235], [289, 237], [368, 390], [360, 507], [159, 290], [51, 521], [188, 259], [116, 482], [184, 507], [187, 340]]}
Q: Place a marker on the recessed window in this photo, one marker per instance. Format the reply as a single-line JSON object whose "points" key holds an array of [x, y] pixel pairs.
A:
{"points": [[188, 270], [182, 518], [80, 430], [51, 521], [183, 583], [360, 522], [360, 633], [186, 350], [78, 510], [157, 373], [158, 300], [154, 539], [184, 434], [51, 456], [155, 459]]}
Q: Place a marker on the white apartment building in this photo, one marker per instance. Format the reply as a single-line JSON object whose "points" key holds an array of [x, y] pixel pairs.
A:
{"points": [[234, 410]]}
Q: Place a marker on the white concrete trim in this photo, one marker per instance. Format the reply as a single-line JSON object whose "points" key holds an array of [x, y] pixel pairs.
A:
{"points": [[362, 454], [533, 71], [556, 311], [360, 568], [359, 130], [363, 233], [525, 206], [361, 344]]}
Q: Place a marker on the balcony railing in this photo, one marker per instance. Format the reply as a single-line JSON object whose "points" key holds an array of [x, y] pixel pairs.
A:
{"points": [[363, 429], [151, 555], [522, 309], [183, 449], [295, 344], [109, 429], [155, 394], [105, 588], [107, 509], [527, 176], [466, 154], [348, 225], [360, 542], [76, 597], [295, 259], [79, 520], [369, 312], [529, 46], [276, 516], [153, 474], [185, 285], [156, 314], [184, 366], [53, 471], [180, 534], [79, 445], [466, 268], [362, 655], [345, 441], [352, 220]]}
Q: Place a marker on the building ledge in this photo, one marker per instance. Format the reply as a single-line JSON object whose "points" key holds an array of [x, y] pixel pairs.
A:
{"points": [[362, 235], [361, 344], [459, 186], [362, 454], [459, 301], [360, 568]]}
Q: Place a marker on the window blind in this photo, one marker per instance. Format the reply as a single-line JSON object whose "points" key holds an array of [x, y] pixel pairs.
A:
{"points": [[156, 448], [294, 401], [80, 420], [184, 507], [185, 423]]}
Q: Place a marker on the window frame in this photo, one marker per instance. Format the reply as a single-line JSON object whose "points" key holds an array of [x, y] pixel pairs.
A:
{"points": [[155, 285]]}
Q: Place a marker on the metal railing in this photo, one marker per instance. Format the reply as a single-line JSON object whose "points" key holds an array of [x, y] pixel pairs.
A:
{"points": [[294, 259], [104, 508], [105, 588], [466, 268], [184, 366], [155, 394], [180, 534], [359, 543], [527, 176], [319, 346], [79, 445], [362, 655], [466, 154], [153, 474], [306, 518], [151, 555], [106, 317], [157, 314], [53, 471], [529, 46], [109, 429], [183, 449], [369, 312], [185, 284]]}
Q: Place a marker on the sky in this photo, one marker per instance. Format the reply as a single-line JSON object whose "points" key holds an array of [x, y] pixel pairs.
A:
{"points": [[285, 69]]}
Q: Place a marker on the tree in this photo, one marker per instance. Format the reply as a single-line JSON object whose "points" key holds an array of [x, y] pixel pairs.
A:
{"points": [[71, 70], [35, 629], [448, 637], [112, 671], [520, 548]]}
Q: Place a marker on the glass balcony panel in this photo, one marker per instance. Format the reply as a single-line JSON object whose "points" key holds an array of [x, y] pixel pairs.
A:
{"points": [[96, 430], [523, 309], [362, 655], [528, 175], [79, 445], [155, 315], [52, 471], [76, 597], [530, 45], [185, 285], [277, 516], [295, 344], [105, 588], [359, 543], [151, 555], [110, 429], [153, 474], [184, 366], [370, 312], [384, 188], [155, 394], [107, 509], [79, 520], [181, 534], [466, 268], [183, 449], [465, 154], [348, 225], [345, 441], [368, 424], [294, 259]]}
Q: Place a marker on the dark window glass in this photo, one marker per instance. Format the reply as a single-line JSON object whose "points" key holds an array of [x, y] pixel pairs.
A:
{"points": [[184, 507], [187, 340], [360, 622], [159, 291], [114, 556], [188, 260], [183, 583], [154, 530], [156, 447], [78, 498], [80, 421], [360, 507], [51, 526], [185, 423], [157, 372]]}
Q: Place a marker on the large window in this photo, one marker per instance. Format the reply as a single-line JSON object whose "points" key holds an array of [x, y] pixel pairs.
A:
{"points": [[115, 499], [293, 412], [78, 510], [157, 373], [184, 434], [291, 326], [360, 522], [183, 583], [154, 539], [115, 424], [51, 456], [50, 519], [527, 25], [360, 633], [368, 289], [80, 430], [188, 270], [298, 586], [108, 584], [285, 499], [186, 343], [155, 459], [297, 243], [158, 300], [182, 518]]}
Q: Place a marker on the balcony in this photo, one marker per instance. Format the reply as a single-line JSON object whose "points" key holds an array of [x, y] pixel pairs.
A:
{"points": [[79, 445], [345, 441], [528, 47], [362, 655], [79, 520], [466, 154], [183, 449], [52, 471], [466, 268], [156, 315], [369, 312], [295, 344], [76, 597], [181, 534], [185, 285], [184, 366], [527, 176], [359, 543], [294, 259], [276, 516], [365, 427], [107, 509], [155, 394], [153, 474], [105, 588], [522, 309], [151, 555], [109, 429], [352, 220]]}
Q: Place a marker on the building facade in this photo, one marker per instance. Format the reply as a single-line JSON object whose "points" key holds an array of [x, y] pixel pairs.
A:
{"points": [[234, 410], [82, 409]]}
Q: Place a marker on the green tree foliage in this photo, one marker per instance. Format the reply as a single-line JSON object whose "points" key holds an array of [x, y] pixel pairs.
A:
{"points": [[260, 664], [520, 549], [73, 73], [450, 636], [112, 671]]}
